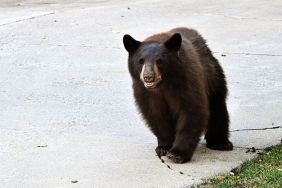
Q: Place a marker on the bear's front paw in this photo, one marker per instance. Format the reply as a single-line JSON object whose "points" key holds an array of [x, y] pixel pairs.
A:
{"points": [[177, 157], [162, 150]]}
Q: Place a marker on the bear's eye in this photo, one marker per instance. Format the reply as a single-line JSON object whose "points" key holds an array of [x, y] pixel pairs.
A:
{"points": [[159, 62], [141, 61]]}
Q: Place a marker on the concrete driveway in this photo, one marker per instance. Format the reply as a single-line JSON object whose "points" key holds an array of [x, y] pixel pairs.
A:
{"points": [[67, 113]]}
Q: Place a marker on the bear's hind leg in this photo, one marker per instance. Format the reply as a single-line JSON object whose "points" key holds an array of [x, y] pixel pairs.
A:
{"points": [[218, 127]]}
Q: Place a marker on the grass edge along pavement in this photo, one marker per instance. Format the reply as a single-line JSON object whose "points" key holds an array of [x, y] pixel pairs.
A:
{"points": [[263, 171]]}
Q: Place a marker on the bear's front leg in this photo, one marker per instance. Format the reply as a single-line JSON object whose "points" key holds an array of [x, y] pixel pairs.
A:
{"points": [[157, 115], [189, 128], [161, 126], [165, 136]]}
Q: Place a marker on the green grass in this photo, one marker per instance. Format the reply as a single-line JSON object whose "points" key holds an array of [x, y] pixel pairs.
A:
{"points": [[264, 171]]}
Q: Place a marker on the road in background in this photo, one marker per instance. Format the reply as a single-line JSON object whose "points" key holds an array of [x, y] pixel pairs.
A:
{"points": [[68, 117]]}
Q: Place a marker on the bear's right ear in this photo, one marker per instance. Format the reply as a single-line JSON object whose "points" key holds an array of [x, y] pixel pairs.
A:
{"points": [[130, 43]]}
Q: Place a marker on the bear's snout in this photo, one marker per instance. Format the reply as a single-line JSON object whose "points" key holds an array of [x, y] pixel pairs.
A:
{"points": [[149, 78], [150, 75]]}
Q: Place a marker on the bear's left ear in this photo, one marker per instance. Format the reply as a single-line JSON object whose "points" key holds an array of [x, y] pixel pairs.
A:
{"points": [[130, 43], [174, 42]]}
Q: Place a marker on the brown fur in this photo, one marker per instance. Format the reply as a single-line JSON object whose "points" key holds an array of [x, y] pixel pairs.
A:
{"points": [[189, 100]]}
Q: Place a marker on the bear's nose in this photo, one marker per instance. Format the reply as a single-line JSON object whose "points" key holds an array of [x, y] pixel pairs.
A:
{"points": [[149, 78]]}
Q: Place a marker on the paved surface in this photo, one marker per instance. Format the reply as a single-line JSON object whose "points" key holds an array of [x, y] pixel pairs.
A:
{"points": [[67, 113]]}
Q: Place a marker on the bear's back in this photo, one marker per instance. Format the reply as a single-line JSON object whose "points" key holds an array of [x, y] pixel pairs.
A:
{"points": [[198, 42]]}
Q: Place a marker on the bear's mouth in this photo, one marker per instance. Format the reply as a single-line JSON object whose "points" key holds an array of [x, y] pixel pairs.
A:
{"points": [[151, 85]]}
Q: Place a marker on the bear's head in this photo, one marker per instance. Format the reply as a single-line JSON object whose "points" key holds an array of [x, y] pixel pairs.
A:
{"points": [[150, 60]]}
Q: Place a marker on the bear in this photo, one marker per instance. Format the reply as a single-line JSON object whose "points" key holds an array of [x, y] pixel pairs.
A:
{"points": [[180, 90]]}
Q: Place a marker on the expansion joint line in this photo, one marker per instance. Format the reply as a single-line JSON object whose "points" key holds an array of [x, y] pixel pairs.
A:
{"points": [[168, 166], [246, 53], [257, 129], [30, 18]]}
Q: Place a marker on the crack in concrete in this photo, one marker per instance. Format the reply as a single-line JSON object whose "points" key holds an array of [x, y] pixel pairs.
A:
{"points": [[169, 167], [247, 53], [68, 45], [257, 129], [240, 17], [230, 17], [241, 147], [33, 17]]}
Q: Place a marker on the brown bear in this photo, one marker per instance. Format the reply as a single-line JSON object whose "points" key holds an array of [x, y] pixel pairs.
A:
{"points": [[180, 90]]}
